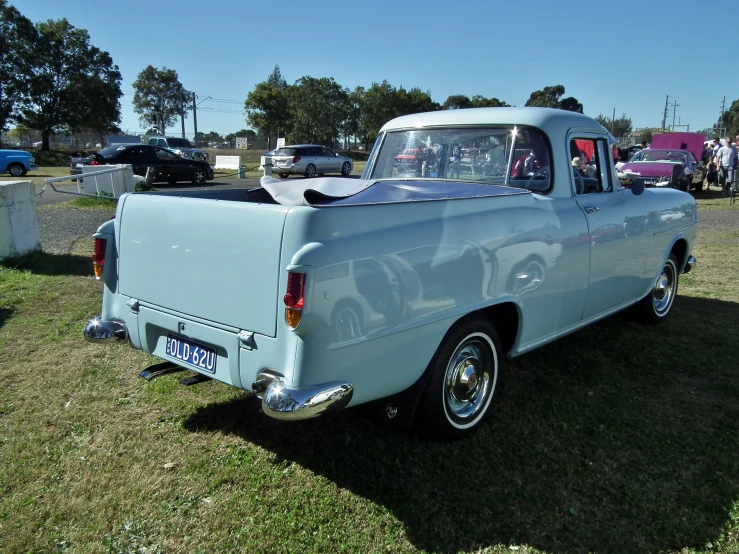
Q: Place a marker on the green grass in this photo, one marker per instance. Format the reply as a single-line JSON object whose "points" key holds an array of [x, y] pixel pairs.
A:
{"points": [[618, 438]]}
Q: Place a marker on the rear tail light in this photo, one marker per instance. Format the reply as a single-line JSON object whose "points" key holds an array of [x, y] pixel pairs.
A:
{"points": [[95, 162], [296, 159], [294, 298], [98, 257]]}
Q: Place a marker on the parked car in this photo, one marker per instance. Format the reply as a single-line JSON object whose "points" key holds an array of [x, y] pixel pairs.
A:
{"points": [[309, 160], [16, 162], [169, 166], [664, 168], [181, 147], [403, 293]]}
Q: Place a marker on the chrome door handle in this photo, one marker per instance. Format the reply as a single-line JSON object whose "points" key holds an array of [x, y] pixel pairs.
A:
{"points": [[591, 209]]}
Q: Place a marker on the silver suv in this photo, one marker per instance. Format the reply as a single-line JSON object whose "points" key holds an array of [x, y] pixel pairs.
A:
{"points": [[309, 160], [179, 146]]}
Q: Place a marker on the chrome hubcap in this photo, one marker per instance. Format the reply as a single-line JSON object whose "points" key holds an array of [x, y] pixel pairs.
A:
{"points": [[311, 171], [200, 176], [664, 290], [468, 380]]}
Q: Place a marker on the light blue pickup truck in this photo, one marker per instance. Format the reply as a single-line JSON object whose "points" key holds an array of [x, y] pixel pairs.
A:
{"points": [[406, 289], [16, 162]]}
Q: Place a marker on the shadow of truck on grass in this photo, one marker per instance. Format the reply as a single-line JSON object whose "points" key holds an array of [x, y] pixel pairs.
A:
{"points": [[619, 438]]}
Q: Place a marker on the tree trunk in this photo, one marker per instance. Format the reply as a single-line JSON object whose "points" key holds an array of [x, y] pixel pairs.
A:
{"points": [[45, 134]]}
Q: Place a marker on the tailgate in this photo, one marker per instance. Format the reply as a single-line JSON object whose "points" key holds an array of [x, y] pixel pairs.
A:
{"points": [[216, 260]]}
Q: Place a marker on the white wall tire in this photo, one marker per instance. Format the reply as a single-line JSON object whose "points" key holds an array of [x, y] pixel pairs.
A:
{"points": [[657, 305], [464, 376]]}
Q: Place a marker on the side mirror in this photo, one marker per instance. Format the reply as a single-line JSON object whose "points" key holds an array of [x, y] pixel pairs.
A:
{"points": [[637, 187]]}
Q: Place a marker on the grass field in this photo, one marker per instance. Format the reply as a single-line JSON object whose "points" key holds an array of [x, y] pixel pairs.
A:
{"points": [[619, 438]]}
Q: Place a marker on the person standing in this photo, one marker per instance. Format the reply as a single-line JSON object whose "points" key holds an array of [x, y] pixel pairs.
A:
{"points": [[726, 160]]}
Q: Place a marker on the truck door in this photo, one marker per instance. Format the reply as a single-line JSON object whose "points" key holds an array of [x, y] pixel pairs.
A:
{"points": [[616, 225]]}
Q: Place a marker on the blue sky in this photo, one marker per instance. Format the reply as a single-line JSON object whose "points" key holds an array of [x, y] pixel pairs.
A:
{"points": [[615, 54]]}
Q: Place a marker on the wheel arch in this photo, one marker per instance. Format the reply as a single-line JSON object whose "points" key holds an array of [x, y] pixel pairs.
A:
{"points": [[680, 249]]}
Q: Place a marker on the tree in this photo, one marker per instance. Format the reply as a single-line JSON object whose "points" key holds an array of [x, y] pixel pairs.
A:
{"points": [[415, 101], [729, 122], [457, 102], [482, 102], [267, 109], [617, 127], [276, 80], [379, 105], [73, 84], [551, 97], [159, 98], [646, 135], [17, 37], [318, 108]]}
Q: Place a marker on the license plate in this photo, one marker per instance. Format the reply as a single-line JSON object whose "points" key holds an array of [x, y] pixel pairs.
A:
{"points": [[78, 165], [192, 353]]}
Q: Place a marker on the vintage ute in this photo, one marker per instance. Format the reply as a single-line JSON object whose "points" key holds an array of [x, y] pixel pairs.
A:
{"points": [[403, 293]]}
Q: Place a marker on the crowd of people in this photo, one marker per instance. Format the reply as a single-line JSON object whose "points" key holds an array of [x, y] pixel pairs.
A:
{"points": [[722, 164]]}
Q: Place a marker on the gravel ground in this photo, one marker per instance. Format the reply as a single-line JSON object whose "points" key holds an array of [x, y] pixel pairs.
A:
{"points": [[716, 220], [62, 228]]}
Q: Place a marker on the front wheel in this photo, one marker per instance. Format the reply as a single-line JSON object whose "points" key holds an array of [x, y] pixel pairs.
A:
{"points": [[656, 306], [464, 373], [310, 171], [17, 170], [199, 177], [346, 169], [284, 175]]}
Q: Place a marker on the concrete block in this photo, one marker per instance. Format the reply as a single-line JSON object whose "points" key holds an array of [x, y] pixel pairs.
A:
{"points": [[18, 224], [228, 162]]}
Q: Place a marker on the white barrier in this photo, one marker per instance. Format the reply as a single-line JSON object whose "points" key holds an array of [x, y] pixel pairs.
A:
{"points": [[110, 180], [228, 162], [18, 224]]}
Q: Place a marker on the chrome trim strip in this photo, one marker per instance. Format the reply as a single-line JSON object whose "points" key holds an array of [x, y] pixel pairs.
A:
{"points": [[101, 331], [282, 402]]}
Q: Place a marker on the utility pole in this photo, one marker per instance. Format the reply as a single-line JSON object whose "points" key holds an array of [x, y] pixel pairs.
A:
{"points": [[613, 120], [720, 126], [674, 109], [664, 117], [194, 118], [182, 111]]}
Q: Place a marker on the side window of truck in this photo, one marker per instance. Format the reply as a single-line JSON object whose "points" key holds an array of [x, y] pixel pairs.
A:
{"points": [[591, 166]]}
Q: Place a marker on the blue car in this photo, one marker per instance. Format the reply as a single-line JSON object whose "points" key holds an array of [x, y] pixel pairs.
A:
{"points": [[16, 162]]}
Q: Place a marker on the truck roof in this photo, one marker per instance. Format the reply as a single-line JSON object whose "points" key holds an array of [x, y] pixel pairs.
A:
{"points": [[548, 119]]}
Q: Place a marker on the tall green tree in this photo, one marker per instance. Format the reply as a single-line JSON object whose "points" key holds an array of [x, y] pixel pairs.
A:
{"points": [[17, 37], [267, 109], [159, 98], [415, 101], [729, 121], [457, 102], [73, 84], [318, 109], [551, 97], [276, 79], [479, 101], [379, 105], [617, 127]]}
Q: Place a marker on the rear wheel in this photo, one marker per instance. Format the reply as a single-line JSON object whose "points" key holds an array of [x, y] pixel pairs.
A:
{"points": [[346, 169], [656, 306], [199, 177], [17, 170], [310, 171], [284, 175], [464, 374]]}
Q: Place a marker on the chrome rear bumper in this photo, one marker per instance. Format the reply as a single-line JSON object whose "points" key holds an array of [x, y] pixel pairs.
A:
{"points": [[98, 330], [689, 264], [282, 402]]}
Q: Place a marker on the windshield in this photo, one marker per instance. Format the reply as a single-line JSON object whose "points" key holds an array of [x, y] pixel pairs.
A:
{"points": [[492, 155], [111, 151], [178, 143], [649, 155]]}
